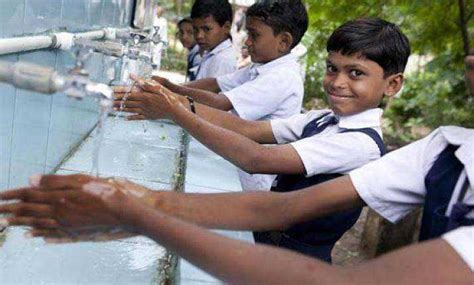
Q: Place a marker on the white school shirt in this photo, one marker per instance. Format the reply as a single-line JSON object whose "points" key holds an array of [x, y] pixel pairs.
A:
{"points": [[331, 151], [395, 184], [273, 90], [219, 61]]}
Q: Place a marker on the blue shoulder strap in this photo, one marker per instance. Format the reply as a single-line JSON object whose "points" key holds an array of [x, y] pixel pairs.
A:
{"points": [[373, 135]]}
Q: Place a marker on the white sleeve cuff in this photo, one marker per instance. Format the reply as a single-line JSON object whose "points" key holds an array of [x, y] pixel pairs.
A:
{"points": [[224, 82], [359, 178], [462, 241]]}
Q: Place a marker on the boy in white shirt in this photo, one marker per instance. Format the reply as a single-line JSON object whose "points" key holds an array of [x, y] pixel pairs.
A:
{"points": [[366, 61], [212, 20]]}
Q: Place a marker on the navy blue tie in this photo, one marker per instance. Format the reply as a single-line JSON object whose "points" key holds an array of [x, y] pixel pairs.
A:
{"points": [[315, 126], [460, 209]]}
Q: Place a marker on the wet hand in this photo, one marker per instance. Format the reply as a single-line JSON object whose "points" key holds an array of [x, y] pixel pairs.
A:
{"points": [[163, 81], [151, 102], [70, 203]]}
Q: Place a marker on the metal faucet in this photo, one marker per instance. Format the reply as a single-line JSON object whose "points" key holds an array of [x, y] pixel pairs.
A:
{"points": [[47, 81]]}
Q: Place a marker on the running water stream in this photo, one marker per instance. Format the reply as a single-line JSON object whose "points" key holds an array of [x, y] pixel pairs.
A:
{"points": [[105, 106]]}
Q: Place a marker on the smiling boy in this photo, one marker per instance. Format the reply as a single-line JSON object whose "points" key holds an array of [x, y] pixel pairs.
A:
{"points": [[366, 61], [212, 20]]}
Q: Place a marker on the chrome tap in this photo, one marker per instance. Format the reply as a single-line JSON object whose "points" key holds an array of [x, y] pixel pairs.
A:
{"points": [[47, 81]]}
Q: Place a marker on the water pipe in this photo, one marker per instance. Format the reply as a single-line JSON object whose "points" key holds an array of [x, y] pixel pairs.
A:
{"points": [[47, 81], [61, 40]]}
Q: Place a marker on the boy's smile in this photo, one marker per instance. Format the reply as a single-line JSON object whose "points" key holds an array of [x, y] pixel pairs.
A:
{"points": [[264, 46], [208, 33], [354, 84]]}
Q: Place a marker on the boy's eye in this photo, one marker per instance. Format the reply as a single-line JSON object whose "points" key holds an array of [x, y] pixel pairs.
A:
{"points": [[356, 73], [331, 68], [206, 29]]}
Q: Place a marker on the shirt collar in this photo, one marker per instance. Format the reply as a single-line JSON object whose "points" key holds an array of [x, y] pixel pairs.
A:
{"points": [[368, 119], [194, 49], [464, 138], [220, 47], [266, 67]]}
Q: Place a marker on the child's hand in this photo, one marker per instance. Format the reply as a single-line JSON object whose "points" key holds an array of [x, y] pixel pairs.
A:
{"points": [[151, 102], [59, 206], [163, 81]]}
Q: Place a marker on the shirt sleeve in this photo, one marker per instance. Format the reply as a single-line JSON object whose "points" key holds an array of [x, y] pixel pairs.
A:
{"points": [[232, 80], [262, 96], [394, 185], [337, 153], [290, 129], [462, 241], [223, 63]]}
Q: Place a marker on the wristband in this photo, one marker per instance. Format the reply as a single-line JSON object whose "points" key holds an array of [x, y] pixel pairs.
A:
{"points": [[191, 104]]}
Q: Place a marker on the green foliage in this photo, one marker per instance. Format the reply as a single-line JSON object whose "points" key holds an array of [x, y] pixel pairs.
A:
{"points": [[174, 60], [434, 94]]}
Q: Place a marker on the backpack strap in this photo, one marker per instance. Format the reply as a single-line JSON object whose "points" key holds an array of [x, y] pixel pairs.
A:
{"points": [[373, 134]]}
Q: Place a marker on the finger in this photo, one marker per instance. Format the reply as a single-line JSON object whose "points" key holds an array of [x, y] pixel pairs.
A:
{"points": [[132, 104], [138, 80], [40, 223], [124, 89], [122, 103], [57, 182], [120, 89], [157, 78], [152, 86], [49, 233], [137, 111], [29, 194], [27, 209], [136, 118]]}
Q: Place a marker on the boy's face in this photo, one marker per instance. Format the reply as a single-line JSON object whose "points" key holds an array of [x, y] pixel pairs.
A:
{"points": [[354, 84], [208, 33], [186, 35], [263, 45]]}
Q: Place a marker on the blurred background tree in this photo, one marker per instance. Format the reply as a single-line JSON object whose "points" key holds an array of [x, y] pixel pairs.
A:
{"points": [[434, 92]]}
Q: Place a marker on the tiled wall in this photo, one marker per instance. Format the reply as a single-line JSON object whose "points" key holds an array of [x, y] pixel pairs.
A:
{"points": [[38, 131]]}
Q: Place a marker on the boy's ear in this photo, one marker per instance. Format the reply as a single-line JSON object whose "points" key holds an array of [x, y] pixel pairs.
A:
{"points": [[227, 26], [285, 43], [395, 84]]}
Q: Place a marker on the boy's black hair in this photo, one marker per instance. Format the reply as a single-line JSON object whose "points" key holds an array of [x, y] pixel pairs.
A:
{"points": [[282, 16], [184, 20], [220, 10], [374, 39]]}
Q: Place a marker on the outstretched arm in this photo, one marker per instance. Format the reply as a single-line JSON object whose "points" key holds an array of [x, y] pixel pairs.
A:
{"points": [[39, 205], [149, 107], [204, 91], [236, 262], [208, 84], [433, 262]]}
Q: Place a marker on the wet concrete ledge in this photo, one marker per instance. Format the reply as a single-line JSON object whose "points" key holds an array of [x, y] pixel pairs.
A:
{"points": [[152, 154]]}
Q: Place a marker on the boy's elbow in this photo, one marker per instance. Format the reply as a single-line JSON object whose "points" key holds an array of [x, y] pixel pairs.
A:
{"points": [[254, 163]]}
